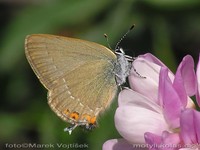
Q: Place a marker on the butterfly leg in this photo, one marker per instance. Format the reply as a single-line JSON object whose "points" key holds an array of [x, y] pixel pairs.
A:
{"points": [[70, 129], [137, 73]]}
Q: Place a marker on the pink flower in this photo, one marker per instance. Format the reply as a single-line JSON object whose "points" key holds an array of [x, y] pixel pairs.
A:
{"points": [[166, 141], [154, 103], [187, 139], [190, 127], [149, 66], [118, 144], [198, 82]]}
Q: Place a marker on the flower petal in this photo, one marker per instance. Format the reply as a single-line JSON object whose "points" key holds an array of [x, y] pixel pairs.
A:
{"points": [[147, 66], [152, 140], [197, 124], [131, 98], [132, 122], [171, 138], [198, 82], [185, 79], [153, 59], [167, 141], [169, 99], [188, 149], [117, 144], [147, 86], [190, 126]]}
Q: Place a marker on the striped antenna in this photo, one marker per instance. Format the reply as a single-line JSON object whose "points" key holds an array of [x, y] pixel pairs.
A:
{"points": [[119, 42]]}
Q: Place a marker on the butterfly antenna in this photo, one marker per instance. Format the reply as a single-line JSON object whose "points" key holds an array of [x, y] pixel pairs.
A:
{"points": [[105, 35], [118, 43]]}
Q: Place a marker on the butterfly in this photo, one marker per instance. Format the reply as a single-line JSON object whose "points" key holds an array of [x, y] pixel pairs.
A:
{"points": [[81, 77]]}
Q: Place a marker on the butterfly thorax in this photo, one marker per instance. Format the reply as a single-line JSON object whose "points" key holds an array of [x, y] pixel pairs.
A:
{"points": [[122, 66]]}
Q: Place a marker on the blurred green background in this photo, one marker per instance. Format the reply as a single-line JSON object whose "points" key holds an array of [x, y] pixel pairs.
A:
{"points": [[169, 29]]}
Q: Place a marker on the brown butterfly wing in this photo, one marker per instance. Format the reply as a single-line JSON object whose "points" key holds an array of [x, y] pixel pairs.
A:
{"points": [[78, 74]]}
